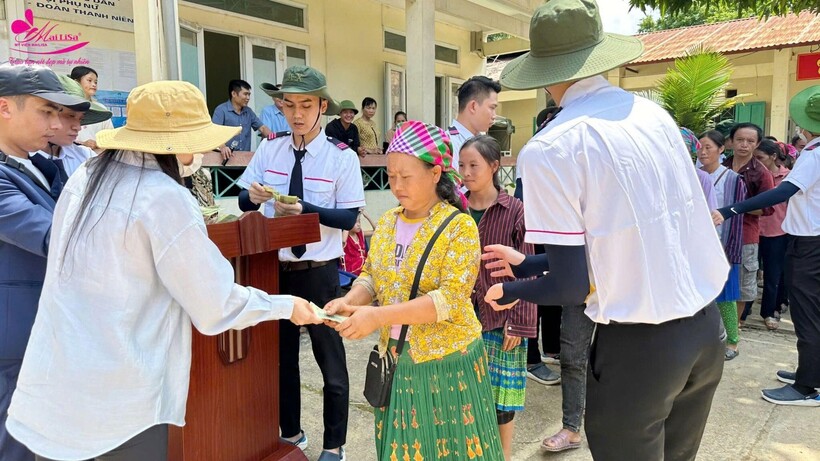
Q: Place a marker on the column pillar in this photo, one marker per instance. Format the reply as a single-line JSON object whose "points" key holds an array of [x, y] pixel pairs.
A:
{"points": [[156, 40], [420, 17], [781, 80]]}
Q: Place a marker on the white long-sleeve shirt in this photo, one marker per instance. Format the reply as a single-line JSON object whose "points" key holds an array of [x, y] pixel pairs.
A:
{"points": [[110, 350]]}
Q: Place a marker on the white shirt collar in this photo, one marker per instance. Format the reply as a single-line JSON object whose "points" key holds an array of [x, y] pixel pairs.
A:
{"points": [[463, 130], [583, 87], [314, 147]]}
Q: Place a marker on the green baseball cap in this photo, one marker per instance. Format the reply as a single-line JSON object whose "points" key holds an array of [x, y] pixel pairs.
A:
{"points": [[804, 109], [568, 43], [309, 81], [96, 113], [348, 105]]}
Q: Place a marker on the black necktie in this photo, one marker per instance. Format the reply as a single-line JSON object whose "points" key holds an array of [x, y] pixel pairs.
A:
{"points": [[54, 173], [297, 188]]}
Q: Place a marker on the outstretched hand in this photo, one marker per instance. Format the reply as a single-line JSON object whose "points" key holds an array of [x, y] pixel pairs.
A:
{"points": [[361, 323], [495, 293], [501, 259]]}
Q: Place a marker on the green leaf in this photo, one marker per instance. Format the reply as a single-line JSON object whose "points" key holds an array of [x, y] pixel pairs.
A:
{"points": [[693, 90]]}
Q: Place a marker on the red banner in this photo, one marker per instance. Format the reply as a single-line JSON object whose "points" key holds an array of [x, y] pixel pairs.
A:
{"points": [[808, 66]]}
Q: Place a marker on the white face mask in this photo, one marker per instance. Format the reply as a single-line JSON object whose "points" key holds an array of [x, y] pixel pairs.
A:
{"points": [[799, 133]]}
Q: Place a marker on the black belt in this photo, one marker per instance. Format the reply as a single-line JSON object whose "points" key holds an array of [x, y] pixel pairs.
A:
{"points": [[293, 266]]}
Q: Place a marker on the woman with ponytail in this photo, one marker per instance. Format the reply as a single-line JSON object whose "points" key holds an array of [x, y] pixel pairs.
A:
{"points": [[441, 401]]}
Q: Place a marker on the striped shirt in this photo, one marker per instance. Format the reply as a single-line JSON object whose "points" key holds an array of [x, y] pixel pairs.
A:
{"points": [[503, 224]]}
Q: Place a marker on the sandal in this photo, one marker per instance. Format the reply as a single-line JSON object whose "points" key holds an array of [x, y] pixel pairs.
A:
{"points": [[772, 323], [560, 442], [730, 354]]}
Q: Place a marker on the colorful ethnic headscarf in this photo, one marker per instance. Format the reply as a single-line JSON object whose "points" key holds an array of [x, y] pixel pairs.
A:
{"points": [[788, 149], [691, 141], [429, 144]]}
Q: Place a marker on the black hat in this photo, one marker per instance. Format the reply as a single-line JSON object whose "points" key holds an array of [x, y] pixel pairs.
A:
{"points": [[38, 81]]}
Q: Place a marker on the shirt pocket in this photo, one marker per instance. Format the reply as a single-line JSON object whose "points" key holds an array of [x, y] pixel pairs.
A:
{"points": [[319, 191], [277, 180]]}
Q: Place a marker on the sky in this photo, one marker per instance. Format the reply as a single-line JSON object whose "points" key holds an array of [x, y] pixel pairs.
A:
{"points": [[617, 17]]}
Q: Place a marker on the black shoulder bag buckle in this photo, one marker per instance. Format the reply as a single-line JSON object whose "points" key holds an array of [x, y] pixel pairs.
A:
{"points": [[378, 382]]}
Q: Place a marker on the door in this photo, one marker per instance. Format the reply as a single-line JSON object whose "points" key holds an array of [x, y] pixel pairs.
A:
{"points": [[754, 112], [223, 63], [192, 57], [453, 84]]}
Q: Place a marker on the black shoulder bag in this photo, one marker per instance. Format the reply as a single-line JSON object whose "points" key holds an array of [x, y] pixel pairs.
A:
{"points": [[378, 381]]}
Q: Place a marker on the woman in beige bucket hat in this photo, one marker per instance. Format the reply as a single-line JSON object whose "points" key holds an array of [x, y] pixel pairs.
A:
{"points": [[130, 269]]}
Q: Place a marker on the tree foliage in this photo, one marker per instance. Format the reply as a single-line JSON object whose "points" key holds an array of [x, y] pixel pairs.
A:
{"points": [[761, 8], [694, 90], [693, 17]]}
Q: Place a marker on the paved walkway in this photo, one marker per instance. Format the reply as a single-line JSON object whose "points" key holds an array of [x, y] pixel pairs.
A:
{"points": [[741, 427]]}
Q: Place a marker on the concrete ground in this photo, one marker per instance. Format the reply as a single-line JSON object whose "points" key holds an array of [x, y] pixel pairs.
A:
{"points": [[741, 427]]}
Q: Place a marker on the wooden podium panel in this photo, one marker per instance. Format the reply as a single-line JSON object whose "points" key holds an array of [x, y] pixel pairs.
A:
{"points": [[233, 399]]}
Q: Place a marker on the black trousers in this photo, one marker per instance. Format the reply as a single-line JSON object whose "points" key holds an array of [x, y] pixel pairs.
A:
{"points": [[650, 387], [549, 334], [773, 255], [803, 283], [319, 285], [150, 444]]}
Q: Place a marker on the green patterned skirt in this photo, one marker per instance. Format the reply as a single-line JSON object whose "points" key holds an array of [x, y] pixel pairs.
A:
{"points": [[508, 371], [440, 409]]}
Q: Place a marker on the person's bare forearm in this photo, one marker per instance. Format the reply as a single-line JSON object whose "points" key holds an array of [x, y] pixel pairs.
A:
{"points": [[358, 296], [416, 312]]}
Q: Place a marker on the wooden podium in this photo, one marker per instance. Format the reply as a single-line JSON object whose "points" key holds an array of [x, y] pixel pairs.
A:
{"points": [[233, 399]]}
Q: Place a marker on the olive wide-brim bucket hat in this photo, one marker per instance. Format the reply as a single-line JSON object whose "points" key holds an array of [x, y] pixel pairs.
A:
{"points": [[568, 43], [96, 113], [804, 109], [309, 81]]}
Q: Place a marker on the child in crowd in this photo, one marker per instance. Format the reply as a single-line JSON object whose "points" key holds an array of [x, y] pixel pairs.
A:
{"points": [[500, 220], [356, 245]]}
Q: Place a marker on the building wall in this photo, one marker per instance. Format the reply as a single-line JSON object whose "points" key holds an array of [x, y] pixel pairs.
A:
{"points": [[345, 40], [521, 112]]}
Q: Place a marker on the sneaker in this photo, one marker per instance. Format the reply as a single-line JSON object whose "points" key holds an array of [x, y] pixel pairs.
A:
{"points": [[330, 456], [301, 443], [552, 359], [787, 395], [787, 377], [772, 323], [542, 374]]}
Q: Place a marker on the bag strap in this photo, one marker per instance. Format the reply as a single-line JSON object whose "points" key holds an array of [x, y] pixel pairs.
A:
{"points": [[19, 166], [414, 290], [721, 176]]}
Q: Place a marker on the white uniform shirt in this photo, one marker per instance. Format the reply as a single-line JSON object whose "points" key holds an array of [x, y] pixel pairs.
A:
{"points": [[611, 172], [459, 134], [90, 131], [72, 156], [332, 178], [110, 350], [803, 213]]}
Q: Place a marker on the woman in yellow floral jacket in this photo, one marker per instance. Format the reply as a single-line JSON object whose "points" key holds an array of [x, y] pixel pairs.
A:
{"points": [[441, 404]]}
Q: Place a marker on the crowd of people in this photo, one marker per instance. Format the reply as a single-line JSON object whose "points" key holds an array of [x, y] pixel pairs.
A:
{"points": [[616, 258]]}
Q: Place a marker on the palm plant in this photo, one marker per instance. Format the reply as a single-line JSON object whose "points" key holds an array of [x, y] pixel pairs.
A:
{"points": [[694, 90]]}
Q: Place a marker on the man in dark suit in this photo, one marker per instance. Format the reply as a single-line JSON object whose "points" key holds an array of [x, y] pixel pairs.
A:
{"points": [[30, 101]]}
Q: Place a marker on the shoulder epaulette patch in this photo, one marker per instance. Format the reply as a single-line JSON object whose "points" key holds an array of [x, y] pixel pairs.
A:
{"points": [[337, 143], [811, 148], [452, 130], [279, 134]]}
